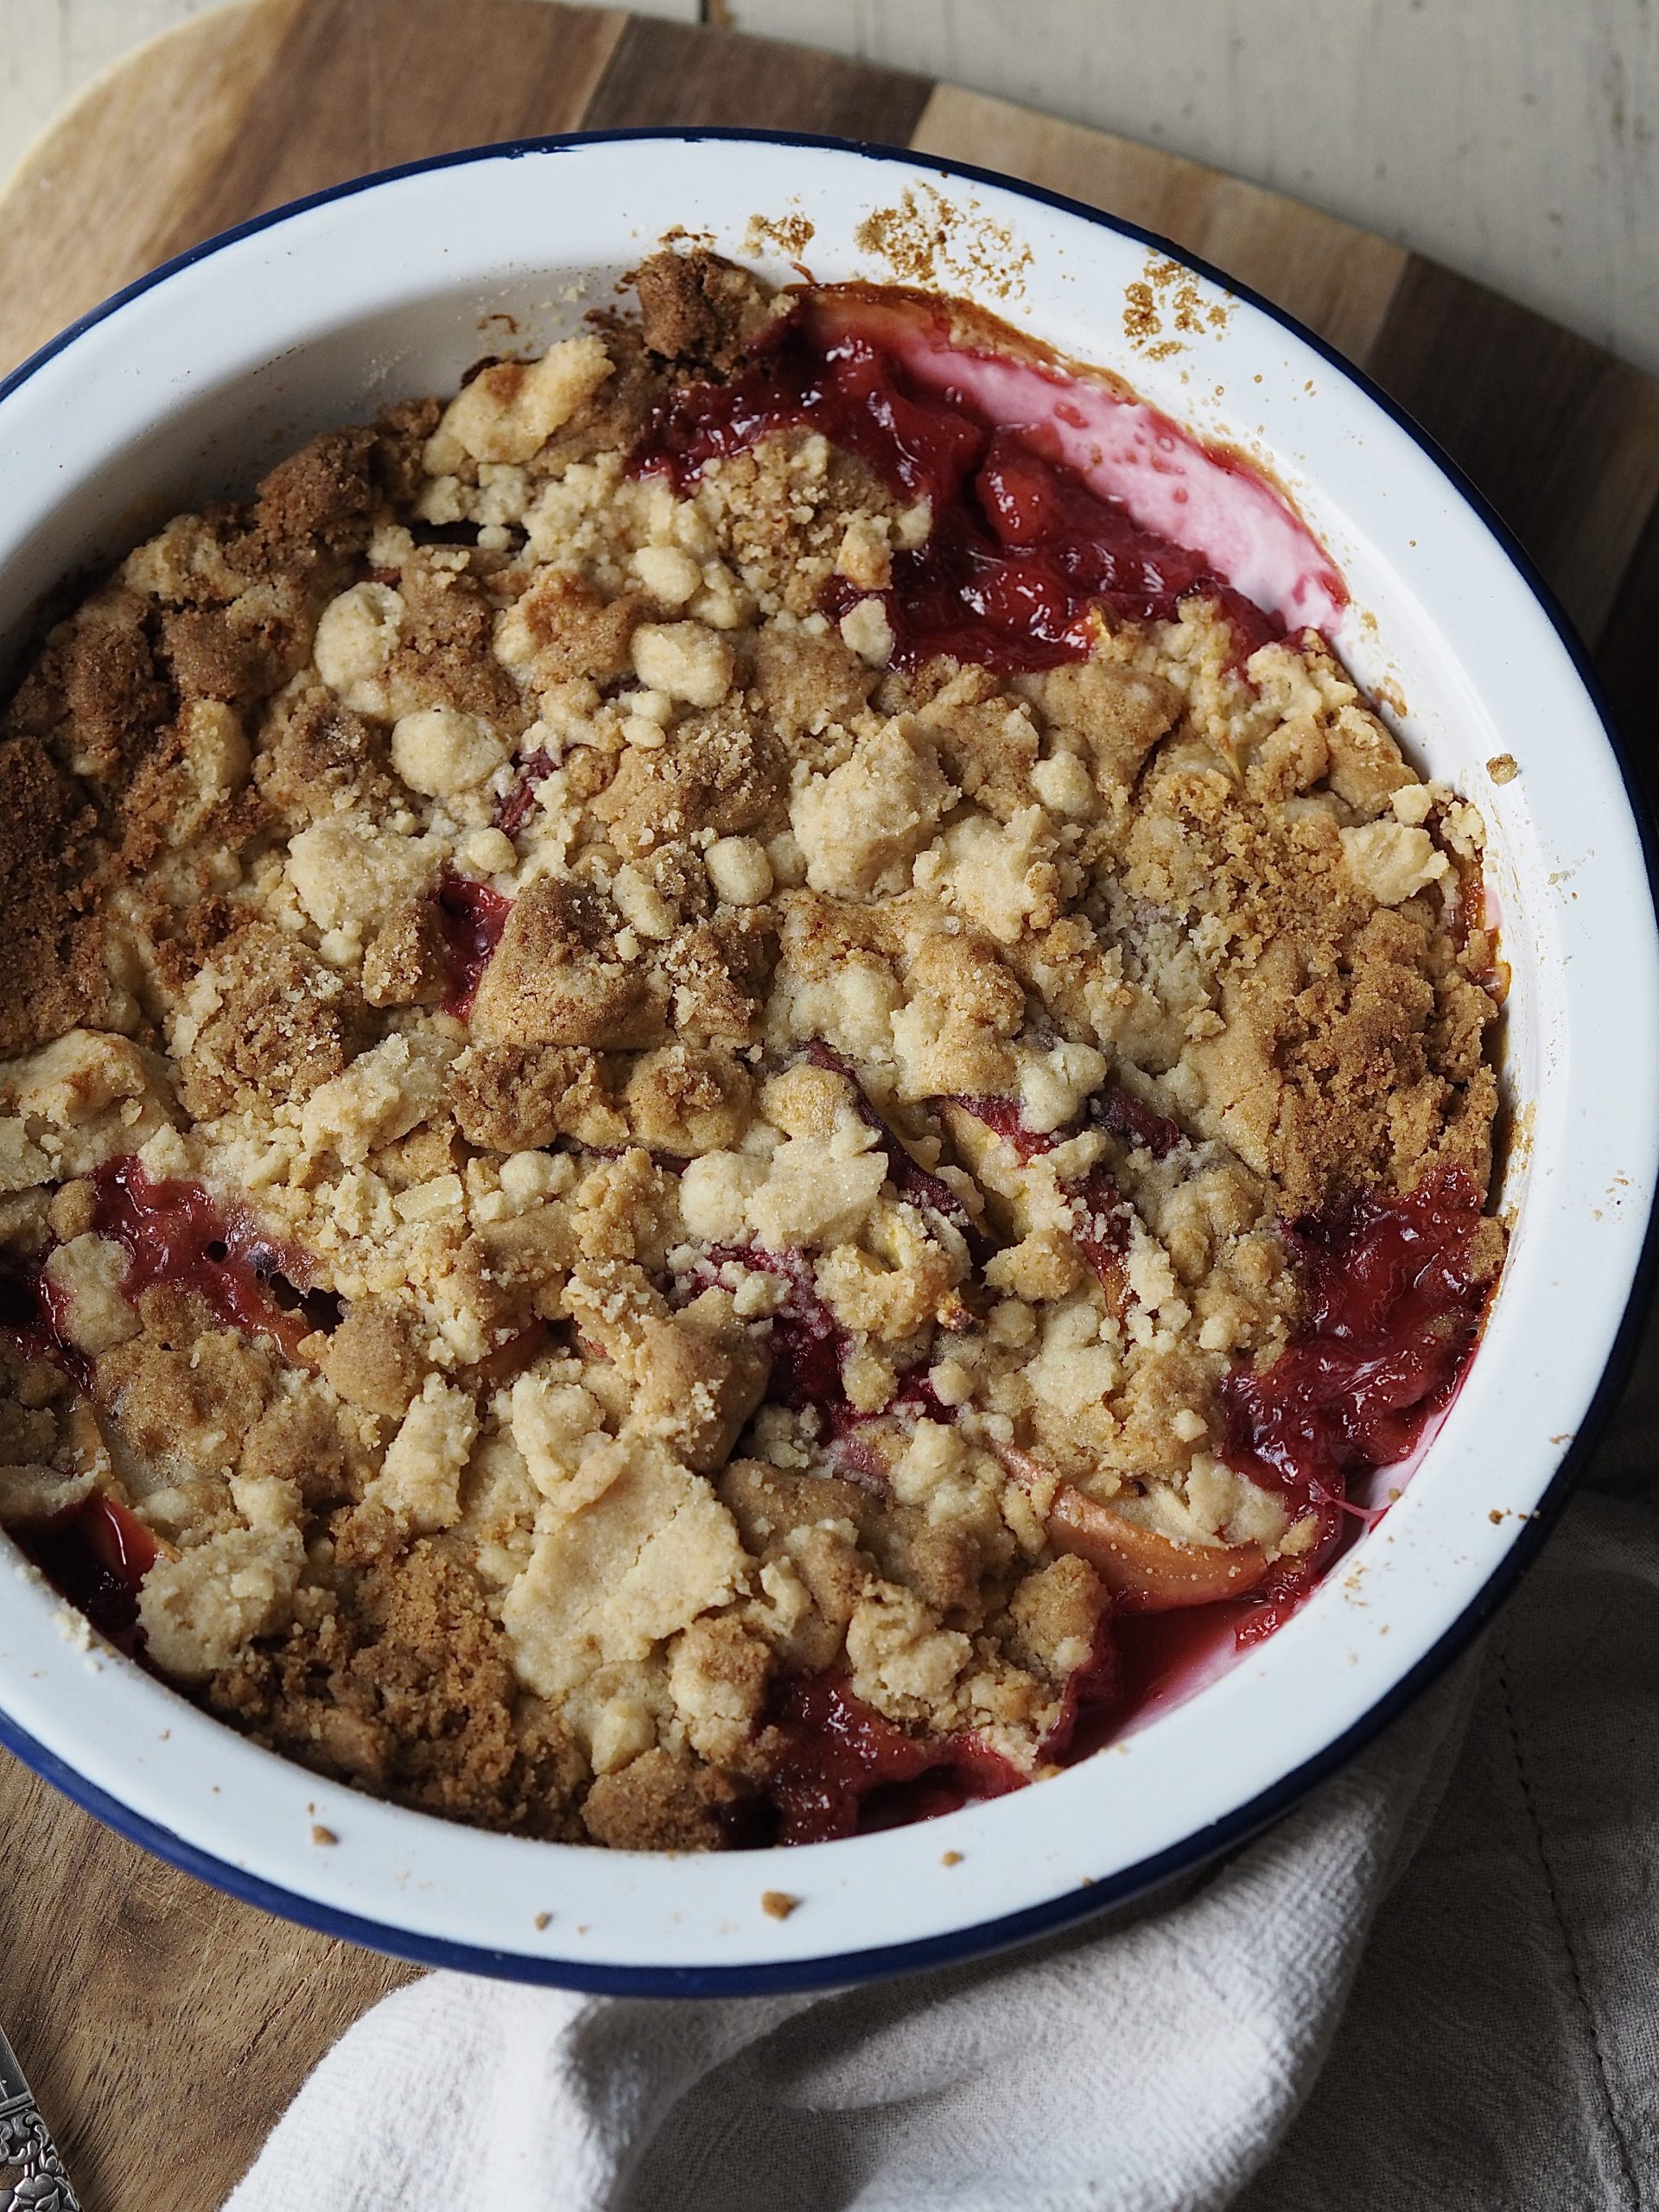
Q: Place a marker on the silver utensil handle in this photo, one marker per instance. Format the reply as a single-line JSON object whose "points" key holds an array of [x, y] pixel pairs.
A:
{"points": [[32, 2178]]}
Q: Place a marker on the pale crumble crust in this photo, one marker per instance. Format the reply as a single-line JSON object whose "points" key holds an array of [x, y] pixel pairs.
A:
{"points": [[545, 1581]]}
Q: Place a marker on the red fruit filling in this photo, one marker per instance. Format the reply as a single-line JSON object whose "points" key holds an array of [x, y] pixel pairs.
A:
{"points": [[96, 1555], [1393, 1306], [809, 1348], [1021, 550], [841, 1770], [908, 1177], [174, 1233], [513, 811], [472, 917]]}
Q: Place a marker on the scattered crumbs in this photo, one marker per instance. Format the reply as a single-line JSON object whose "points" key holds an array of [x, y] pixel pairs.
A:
{"points": [[777, 1904], [1503, 768], [165, 1733], [542, 1918], [75, 1628], [1566, 1437], [1497, 1515], [1394, 1495], [1256, 378], [1167, 304], [950, 1859], [1087, 1882], [925, 239], [320, 1834], [788, 236], [581, 1927]]}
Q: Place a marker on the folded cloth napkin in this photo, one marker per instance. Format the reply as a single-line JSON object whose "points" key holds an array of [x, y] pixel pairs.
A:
{"points": [[1220, 2044]]}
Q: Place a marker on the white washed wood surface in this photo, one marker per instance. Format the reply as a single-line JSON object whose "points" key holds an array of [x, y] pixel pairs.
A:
{"points": [[1515, 140]]}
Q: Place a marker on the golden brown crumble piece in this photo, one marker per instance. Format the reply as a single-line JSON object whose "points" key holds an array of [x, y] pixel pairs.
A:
{"points": [[573, 633], [518, 1097], [559, 975], [320, 758], [372, 1360], [276, 1022], [719, 772], [51, 935], [443, 657], [405, 1684], [658, 1802], [699, 310]]}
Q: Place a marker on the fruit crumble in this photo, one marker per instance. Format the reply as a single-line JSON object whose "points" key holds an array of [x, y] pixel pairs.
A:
{"points": [[706, 1065]]}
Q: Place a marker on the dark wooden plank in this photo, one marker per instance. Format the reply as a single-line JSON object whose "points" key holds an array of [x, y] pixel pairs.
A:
{"points": [[1562, 438], [1625, 658], [361, 85], [667, 73]]}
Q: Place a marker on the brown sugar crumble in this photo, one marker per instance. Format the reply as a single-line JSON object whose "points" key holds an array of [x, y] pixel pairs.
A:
{"points": [[634, 1210], [777, 1904]]}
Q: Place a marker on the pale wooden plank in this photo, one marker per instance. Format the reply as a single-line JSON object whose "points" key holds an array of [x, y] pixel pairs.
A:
{"points": [[52, 50], [259, 102], [361, 85], [97, 197], [1335, 278]]}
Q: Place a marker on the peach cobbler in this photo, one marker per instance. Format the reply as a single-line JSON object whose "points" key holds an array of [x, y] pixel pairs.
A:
{"points": [[704, 1071]]}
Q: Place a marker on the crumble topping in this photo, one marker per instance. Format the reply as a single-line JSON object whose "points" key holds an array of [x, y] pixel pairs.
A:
{"points": [[609, 1174]]}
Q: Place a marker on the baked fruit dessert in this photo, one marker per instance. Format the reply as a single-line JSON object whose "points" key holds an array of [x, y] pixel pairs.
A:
{"points": [[706, 1068]]}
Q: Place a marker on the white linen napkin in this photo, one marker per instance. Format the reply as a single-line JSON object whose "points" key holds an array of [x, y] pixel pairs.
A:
{"points": [[1498, 2050]]}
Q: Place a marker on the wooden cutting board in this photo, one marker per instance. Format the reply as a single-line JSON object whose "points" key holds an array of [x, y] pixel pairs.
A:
{"points": [[164, 2027]]}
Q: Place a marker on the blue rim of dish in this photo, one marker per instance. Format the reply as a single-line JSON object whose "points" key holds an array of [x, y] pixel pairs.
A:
{"points": [[1193, 1852]]}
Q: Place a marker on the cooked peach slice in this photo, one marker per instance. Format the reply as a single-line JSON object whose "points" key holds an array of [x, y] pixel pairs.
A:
{"points": [[1146, 1573]]}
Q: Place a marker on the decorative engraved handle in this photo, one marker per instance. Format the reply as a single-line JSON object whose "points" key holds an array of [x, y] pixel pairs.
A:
{"points": [[32, 2178]]}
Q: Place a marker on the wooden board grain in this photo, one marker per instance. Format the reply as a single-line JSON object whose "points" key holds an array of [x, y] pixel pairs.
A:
{"points": [[163, 2025]]}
